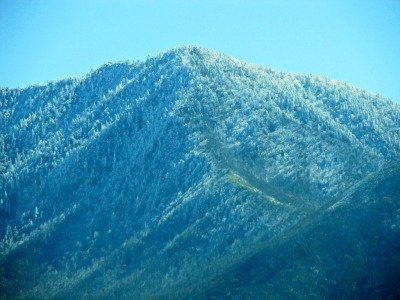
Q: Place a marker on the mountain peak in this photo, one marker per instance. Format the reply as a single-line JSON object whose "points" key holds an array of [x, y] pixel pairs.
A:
{"points": [[192, 157], [189, 50]]}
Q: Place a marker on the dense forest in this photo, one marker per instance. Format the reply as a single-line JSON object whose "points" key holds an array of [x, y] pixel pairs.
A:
{"points": [[185, 174]]}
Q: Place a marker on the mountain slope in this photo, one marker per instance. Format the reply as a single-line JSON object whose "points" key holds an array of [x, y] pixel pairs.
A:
{"points": [[349, 249], [148, 175]]}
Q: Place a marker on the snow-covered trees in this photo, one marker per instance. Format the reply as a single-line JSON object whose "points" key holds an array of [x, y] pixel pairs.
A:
{"points": [[189, 154]]}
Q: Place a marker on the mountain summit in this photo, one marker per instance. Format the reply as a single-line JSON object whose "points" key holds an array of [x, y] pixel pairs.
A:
{"points": [[156, 178]]}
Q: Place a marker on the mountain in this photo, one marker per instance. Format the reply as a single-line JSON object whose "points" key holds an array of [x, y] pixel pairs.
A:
{"points": [[147, 179]]}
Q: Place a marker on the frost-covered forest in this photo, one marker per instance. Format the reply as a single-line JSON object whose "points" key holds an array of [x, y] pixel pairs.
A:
{"points": [[143, 178]]}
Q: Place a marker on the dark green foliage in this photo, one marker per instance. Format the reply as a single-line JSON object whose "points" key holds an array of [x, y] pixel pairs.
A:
{"points": [[348, 249]]}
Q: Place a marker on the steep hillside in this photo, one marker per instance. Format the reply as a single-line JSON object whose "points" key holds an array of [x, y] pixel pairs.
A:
{"points": [[144, 176], [349, 249]]}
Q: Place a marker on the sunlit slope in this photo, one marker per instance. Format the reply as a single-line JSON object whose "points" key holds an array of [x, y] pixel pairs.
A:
{"points": [[156, 173]]}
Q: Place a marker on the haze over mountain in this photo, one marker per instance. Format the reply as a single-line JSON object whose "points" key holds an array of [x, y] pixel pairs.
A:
{"points": [[172, 177]]}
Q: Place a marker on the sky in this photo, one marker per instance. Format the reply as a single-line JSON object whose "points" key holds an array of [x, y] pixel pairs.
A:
{"points": [[357, 41]]}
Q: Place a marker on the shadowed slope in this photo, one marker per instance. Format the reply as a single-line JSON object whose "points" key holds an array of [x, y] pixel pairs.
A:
{"points": [[349, 248]]}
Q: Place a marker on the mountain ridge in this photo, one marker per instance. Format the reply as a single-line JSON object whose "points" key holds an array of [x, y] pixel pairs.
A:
{"points": [[191, 156]]}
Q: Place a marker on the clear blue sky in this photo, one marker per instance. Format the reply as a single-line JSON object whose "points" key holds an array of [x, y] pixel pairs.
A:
{"points": [[354, 41]]}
